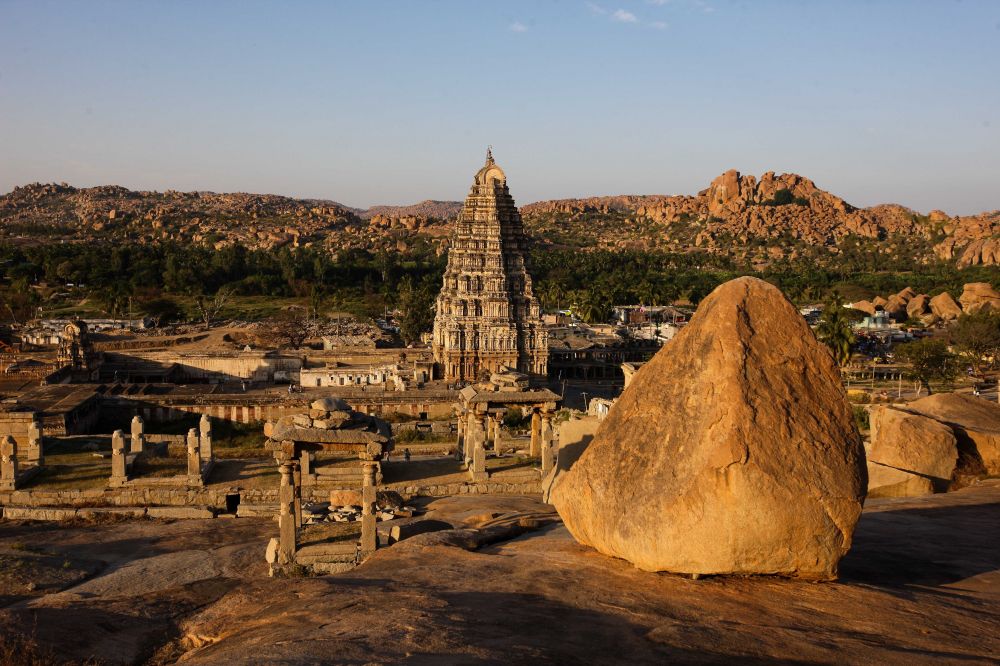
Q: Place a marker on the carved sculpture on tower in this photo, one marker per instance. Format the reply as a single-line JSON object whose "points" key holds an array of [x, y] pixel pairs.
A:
{"points": [[487, 317]]}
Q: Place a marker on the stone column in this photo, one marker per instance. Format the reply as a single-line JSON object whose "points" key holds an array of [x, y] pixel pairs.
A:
{"points": [[497, 419], [547, 443], [478, 467], [469, 441], [297, 499], [8, 463], [194, 456], [138, 443], [536, 434], [205, 428], [305, 467], [119, 467], [35, 452], [369, 539], [286, 515], [460, 442]]}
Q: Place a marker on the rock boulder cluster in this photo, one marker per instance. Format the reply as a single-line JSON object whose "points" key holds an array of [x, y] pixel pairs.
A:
{"points": [[728, 453], [908, 304], [938, 443], [331, 421]]}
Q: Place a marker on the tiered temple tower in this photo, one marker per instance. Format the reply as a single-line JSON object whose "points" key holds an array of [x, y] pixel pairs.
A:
{"points": [[487, 316]]}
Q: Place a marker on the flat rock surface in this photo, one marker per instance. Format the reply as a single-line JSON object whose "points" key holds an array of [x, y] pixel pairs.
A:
{"points": [[921, 585]]}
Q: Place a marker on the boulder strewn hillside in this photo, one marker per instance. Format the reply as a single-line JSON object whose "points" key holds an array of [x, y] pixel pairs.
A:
{"points": [[752, 220]]}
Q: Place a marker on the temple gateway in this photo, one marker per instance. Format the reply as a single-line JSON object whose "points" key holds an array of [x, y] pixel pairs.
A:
{"points": [[487, 316]]}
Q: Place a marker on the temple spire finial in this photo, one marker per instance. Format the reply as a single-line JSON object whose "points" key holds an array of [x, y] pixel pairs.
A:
{"points": [[489, 153]]}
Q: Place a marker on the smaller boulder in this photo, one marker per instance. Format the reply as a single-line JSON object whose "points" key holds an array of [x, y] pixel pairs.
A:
{"points": [[330, 404], [917, 306], [864, 306], [908, 454], [978, 296], [945, 307], [976, 423]]}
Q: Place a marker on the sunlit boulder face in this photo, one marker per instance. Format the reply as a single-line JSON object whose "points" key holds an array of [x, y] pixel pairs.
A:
{"points": [[733, 451]]}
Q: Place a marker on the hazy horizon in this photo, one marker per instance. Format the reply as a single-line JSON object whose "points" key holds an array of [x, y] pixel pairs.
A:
{"points": [[395, 103]]}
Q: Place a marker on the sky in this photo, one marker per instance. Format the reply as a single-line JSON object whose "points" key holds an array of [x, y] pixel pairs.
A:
{"points": [[395, 102]]}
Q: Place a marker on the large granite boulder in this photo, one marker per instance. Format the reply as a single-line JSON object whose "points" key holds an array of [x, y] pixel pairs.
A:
{"points": [[945, 307], [917, 306], [896, 308], [733, 450], [978, 296], [864, 306], [909, 454], [975, 421]]}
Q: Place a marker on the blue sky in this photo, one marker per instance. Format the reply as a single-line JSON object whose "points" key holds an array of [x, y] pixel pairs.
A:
{"points": [[395, 102]]}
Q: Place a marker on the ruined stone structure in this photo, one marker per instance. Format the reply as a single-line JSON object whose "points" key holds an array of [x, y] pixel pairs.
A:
{"points": [[481, 409], [487, 317], [75, 348]]}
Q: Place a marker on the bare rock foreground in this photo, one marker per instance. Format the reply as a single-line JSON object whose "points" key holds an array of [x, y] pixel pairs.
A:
{"points": [[732, 451], [921, 585]]}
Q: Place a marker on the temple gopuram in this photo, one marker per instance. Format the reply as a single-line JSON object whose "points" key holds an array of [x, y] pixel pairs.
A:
{"points": [[487, 316]]}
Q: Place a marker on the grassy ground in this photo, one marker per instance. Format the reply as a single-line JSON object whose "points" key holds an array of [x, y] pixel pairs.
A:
{"points": [[447, 470], [329, 532], [229, 439], [76, 464]]}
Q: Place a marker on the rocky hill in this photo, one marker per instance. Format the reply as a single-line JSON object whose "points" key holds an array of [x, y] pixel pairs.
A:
{"points": [[429, 209], [756, 221]]}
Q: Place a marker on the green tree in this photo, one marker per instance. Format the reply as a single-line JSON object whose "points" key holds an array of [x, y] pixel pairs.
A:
{"points": [[929, 359], [834, 330], [161, 310], [417, 305], [977, 337]]}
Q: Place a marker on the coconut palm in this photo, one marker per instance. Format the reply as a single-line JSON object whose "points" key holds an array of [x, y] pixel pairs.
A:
{"points": [[834, 330]]}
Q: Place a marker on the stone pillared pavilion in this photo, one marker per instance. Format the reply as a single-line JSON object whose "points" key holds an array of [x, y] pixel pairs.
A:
{"points": [[488, 318]]}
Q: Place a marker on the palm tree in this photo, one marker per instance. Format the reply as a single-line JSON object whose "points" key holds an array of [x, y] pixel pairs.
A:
{"points": [[835, 331]]}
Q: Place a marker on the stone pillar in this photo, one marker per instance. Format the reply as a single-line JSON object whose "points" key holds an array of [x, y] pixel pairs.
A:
{"points": [[119, 468], [138, 443], [548, 454], [35, 452], [305, 467], [205, 428], [460, 442], [194, 456], [497, 419], [297, 495], [469, 441], [286, 514], [8, 463], [478, 466], [369, 539], [536, 434]]}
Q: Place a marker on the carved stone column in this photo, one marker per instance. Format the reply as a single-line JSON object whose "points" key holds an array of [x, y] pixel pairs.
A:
{"points": [[536, 434], [369, 539], [548, 454], [205, 431], [138, 442], [460, 442], [8, 463], [119, 467], [286, 514], [297, 499], [478, 467], [193, 457], [497, 419], [35, 452]]}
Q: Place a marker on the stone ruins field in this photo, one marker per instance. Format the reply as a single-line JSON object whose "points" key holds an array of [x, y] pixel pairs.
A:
{"points": [[920, 585]]}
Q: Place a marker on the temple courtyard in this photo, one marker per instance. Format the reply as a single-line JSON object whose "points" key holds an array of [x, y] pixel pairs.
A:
{"points": [[921, 584]]}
